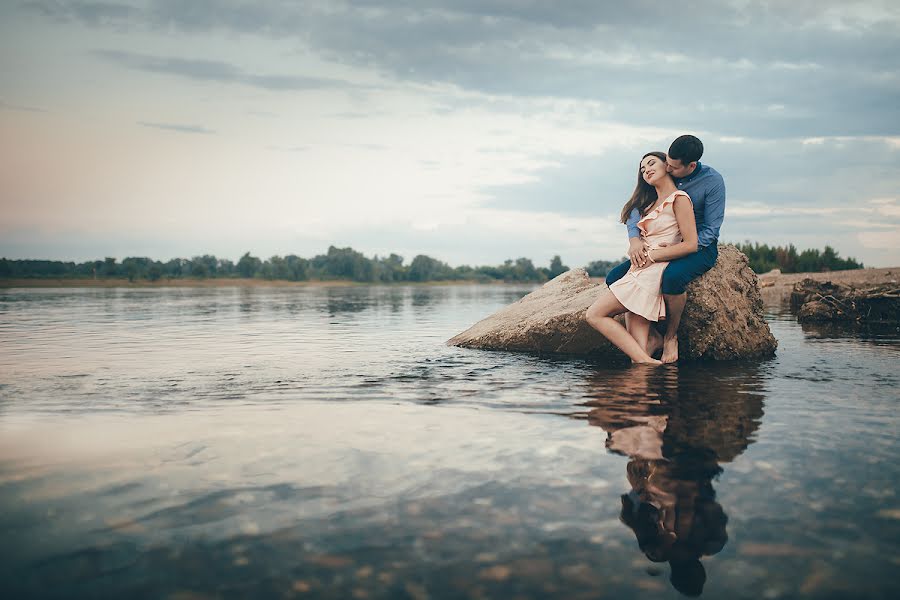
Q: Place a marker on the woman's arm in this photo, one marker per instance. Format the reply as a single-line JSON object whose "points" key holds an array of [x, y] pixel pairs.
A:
{"points": [[684, 214], [636, 245]]}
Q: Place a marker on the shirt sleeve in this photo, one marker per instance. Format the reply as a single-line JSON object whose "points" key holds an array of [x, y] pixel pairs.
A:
{"points": [[713, 215], [631, 223]]}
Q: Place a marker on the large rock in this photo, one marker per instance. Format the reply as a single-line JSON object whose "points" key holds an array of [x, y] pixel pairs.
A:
{"points": [[723, 319]]}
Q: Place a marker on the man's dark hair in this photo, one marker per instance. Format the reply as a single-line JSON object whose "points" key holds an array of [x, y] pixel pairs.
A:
{"points": [[686, 148]]}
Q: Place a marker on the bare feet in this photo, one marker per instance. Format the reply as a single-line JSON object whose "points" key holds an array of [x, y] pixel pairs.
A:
{"points": [[649, 361], [670, 350]]}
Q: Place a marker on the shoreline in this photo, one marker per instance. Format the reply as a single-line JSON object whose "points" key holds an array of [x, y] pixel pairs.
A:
{"points": [[59, 282], [777, 287], [773, 286]]}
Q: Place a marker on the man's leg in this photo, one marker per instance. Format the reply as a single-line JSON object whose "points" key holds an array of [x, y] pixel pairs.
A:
{"points": [[617, 273], [677, 275]]}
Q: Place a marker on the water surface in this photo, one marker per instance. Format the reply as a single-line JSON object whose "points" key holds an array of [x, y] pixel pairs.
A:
{"points": [[324, 442]]}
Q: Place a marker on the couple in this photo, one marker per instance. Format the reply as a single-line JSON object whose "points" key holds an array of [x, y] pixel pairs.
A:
{"points": [[673, 220]]}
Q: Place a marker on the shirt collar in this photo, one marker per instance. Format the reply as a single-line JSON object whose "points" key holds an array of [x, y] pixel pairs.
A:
{"points": [[693, 174]]}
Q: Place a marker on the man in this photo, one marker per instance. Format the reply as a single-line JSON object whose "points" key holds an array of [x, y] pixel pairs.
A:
{"points": [[707, 191]]}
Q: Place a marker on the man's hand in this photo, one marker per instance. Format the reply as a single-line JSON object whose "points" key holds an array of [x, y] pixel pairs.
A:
{"points": [[637, 252]]}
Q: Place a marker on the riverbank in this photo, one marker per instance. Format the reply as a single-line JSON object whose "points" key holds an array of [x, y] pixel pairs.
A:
{"points": [[776, 287], [219, 282]]}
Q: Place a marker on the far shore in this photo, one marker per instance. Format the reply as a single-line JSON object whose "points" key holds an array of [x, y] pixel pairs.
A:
{"points": [[773, 285], [214, 282]]}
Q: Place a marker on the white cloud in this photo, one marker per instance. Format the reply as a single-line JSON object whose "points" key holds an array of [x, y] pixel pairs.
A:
{"points": [[881, 240]]}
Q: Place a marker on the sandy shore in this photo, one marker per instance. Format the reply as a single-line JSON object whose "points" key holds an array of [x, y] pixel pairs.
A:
{"points": [[776, 287]]}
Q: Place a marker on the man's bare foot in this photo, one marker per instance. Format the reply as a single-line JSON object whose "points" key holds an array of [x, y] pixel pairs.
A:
{"points": [[654, 342], [670, 350]]}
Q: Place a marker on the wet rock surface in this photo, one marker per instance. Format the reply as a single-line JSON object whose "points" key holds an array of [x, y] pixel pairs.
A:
{"points": [[723, 319], [825, 301]]}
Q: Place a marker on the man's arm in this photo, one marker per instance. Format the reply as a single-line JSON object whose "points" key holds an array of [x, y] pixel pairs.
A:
{"points": [[713, 215], [633, 230]]}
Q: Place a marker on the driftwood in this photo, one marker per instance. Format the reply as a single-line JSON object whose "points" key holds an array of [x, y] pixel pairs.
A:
{"points": [[823, 301]]}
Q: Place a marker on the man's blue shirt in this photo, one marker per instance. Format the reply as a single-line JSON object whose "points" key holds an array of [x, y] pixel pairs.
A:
{"points": [[707, 191]]}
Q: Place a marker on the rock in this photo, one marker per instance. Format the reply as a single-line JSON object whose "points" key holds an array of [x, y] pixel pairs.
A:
{"points": [[823, 301], [723, 319]]}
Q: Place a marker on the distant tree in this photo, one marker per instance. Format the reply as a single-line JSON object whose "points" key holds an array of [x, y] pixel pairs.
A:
{"points": [[135, 267], [248, 266], [423, 268], [601, 268], [556, 267], [296, 267], [155, 271], [204, 266], [109, 267], [390, 268]]}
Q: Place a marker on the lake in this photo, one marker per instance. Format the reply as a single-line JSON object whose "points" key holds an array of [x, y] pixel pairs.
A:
{"points": [[323, 442]]}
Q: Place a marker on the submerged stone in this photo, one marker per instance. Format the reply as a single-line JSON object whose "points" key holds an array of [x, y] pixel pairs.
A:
{"points": [[723, 319]]}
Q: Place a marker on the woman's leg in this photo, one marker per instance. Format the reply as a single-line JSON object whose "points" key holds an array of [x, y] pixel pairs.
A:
{"points": [[639, 328], [654, 341], [600, 316]]}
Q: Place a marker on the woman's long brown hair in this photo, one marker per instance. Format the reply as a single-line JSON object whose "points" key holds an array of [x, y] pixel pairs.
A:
{"points": [[644, 195]]}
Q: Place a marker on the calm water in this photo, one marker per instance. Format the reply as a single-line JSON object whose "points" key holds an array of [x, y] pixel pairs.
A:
{"points": [[323, 442]]}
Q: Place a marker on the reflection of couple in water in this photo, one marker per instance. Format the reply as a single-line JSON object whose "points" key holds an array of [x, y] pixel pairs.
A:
{"points": [[673, 220], [676, 429]]}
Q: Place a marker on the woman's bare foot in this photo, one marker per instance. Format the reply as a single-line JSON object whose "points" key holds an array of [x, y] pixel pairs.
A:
{"points": [[670, 350], [649, 361]]}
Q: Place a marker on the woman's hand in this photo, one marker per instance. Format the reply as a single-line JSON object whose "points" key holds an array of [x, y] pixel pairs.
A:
{"points": [[637, 252]]}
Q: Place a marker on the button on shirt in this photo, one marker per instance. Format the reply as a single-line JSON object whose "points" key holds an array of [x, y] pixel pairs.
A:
{"points": [[707, 191]]}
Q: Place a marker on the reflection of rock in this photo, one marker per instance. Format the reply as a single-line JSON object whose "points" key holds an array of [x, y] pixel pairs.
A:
{"points": [[822, 301], [723, 319]]}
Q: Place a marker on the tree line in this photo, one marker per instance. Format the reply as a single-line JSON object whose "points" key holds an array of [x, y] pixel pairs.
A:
{"points": [[764, 258], [349, 265], [337, 264]]}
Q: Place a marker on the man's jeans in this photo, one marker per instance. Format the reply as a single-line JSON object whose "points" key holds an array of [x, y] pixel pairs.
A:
{"points": [[679, 272]]}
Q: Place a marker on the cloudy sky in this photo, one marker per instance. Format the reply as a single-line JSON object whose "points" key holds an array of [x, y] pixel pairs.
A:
{"points": [[469, 130]]}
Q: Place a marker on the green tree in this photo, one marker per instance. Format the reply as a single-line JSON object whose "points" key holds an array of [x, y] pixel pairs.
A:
{"points": [[248, 266], [556, 267]]}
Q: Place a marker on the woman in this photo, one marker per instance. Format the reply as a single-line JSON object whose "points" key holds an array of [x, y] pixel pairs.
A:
{"points": [[669, 231]]}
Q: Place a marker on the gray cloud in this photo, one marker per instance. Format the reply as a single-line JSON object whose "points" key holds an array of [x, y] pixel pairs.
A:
{"points": [[181, 128], [92, 13], [213, 70], [771, 70]]}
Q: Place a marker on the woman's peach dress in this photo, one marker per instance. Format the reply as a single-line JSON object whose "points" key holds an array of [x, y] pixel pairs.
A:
{"points": [[639, 290]]}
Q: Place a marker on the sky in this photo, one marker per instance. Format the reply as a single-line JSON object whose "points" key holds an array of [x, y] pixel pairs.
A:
{"points": [[470, 131]]}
